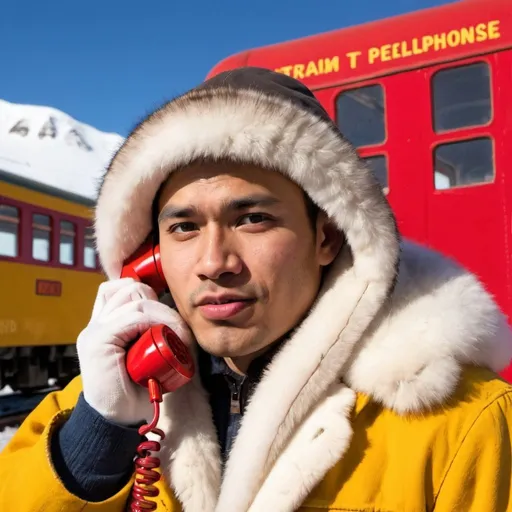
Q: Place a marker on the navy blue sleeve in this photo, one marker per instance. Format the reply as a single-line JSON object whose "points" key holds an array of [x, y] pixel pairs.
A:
{"points": [[93, 456]]}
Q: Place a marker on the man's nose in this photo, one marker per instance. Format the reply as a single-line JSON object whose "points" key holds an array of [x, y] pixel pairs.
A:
{"points": [[219, 256]]}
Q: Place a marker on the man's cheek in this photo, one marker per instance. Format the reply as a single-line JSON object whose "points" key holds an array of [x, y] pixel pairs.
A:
{"points": [[284, 258]]}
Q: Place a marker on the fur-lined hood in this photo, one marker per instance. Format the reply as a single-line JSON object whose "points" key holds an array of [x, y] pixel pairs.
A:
{"points": [[393, 320]]}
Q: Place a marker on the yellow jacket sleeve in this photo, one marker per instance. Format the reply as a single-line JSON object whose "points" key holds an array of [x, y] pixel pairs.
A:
{"points": [[28, 482], [479, 479]]}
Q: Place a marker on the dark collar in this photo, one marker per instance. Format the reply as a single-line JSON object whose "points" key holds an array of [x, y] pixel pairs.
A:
{"points": [[210, 365]]}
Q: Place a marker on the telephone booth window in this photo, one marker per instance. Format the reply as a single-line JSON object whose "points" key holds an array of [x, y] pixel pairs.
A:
{"points": [[9, 231], [360, 115], [67, 243], [463, 163], [461, 97], [41, 237]]}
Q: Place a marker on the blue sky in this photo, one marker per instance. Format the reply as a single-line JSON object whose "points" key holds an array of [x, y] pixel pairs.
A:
{"points": [[108, 63]]}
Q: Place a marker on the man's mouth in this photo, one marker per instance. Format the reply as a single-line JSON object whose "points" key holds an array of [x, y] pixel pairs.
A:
{"points": [[224, 308], [225, 301]]}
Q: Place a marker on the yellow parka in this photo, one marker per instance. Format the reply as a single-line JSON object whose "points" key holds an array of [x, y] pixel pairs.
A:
{"points": [[456, 459]]}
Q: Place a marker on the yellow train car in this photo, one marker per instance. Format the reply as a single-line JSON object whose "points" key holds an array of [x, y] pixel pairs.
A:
{"points": [[49, 275]]}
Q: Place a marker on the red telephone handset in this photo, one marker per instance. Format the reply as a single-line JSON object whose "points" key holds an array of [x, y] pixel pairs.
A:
{"points": [[158, 354], [159, 361]]}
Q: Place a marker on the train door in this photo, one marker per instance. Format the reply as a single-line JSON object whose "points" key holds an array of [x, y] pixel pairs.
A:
{"points": [[465, 141]]}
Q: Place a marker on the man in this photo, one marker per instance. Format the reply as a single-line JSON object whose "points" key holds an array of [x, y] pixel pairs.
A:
{"points": [[339, 369]]}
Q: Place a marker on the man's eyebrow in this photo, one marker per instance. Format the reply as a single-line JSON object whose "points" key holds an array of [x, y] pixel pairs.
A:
{"points": [[250, 202], [185, 212], [175, 212]]}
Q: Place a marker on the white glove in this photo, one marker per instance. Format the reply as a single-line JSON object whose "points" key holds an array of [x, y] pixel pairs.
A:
{"points": [[124, 309]]}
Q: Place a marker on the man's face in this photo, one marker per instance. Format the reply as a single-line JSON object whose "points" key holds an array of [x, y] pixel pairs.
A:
{"points": [[239, 254]]}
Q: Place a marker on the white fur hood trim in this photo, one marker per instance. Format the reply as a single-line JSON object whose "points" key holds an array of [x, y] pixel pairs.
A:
{"points": [[439, 318]]}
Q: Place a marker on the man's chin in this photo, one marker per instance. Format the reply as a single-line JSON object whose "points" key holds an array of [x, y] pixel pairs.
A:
{"points": [[226, 351], [229, 342]]}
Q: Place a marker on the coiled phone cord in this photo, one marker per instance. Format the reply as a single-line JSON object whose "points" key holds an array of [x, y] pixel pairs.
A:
{"points": [[146, 475]]}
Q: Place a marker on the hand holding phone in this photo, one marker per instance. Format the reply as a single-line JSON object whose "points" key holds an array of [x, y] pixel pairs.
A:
{"points": [[124, 310], [128, 317]]}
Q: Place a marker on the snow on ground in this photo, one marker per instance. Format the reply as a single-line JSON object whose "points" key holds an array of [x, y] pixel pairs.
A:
{"points": [[5, 436], [8, 432], [7, 390]]}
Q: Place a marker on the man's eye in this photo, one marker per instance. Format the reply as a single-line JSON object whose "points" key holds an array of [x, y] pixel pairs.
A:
{"points": [[253, 218], [183, 227]]}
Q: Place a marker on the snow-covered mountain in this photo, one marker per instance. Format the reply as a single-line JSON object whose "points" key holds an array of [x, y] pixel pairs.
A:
{"points": [[49, 146]]}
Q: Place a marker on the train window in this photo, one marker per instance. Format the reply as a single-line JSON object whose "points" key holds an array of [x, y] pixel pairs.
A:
{"points": [[9, 230], [461, 97], [462, 163], [89, 252], [41, 237], [67, 243], [379, 166], [360, 115]]}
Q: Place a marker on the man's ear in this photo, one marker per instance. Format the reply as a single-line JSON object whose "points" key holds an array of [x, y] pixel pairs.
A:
{"points": [[329, 239]]}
